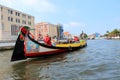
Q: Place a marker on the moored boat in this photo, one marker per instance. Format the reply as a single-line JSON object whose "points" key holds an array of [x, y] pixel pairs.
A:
{"points": [[27, 47]]}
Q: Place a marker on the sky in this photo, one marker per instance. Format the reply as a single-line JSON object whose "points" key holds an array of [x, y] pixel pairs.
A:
{"points": [[90, 16]]}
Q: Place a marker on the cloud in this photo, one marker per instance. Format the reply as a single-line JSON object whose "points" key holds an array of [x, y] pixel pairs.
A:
{"points": [[74, 24], [34, 5]]}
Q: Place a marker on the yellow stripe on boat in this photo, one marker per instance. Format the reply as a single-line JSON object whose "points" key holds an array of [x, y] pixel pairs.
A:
{"points": [[81, 43]]}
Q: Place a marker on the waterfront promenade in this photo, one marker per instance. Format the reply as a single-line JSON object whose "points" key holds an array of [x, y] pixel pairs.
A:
{"points": [[6, 45]]}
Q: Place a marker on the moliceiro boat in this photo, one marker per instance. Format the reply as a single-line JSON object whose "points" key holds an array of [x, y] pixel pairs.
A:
{"points": [[27, 47]]}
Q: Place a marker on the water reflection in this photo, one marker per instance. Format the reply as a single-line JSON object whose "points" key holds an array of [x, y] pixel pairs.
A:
{"points": [[38, 68], [19, 70]]}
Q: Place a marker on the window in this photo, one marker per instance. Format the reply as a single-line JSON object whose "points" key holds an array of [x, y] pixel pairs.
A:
{"points": [[29, 17], [11, 19], [18, 14], [1, 8], [23, 22], [8, 18], [29, 23], [10, 12], [1, 17], [17, 20], [2, 26], [23, 15]]}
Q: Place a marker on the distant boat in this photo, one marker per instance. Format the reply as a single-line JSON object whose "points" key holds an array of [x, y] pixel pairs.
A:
{"points": [[27, 47]]}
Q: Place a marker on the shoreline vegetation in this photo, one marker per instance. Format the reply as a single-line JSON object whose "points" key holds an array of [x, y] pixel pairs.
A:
{"points": [[114, 34]]}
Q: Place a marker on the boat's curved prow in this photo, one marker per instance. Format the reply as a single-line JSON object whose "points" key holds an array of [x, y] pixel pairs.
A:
{"points": [[18, 52]]}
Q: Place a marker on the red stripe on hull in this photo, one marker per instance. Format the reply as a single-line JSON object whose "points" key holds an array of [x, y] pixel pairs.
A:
{"points": [[37, 54]]}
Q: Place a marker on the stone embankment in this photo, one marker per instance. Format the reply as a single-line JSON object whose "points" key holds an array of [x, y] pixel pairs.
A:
{"points": [[7, 45]]}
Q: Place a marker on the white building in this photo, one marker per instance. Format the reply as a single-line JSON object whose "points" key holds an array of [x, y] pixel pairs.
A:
{"points": [[11, 21]]}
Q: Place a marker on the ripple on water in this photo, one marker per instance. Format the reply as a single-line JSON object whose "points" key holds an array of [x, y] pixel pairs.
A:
{"points": [[100, 60]]}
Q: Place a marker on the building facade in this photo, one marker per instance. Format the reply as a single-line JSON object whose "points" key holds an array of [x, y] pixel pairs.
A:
{"points": [[67, 35], [44, 28], [11, 21], [60, 31]]}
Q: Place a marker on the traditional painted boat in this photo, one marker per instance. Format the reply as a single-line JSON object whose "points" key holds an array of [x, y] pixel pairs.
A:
{"points": [[27, 47]]}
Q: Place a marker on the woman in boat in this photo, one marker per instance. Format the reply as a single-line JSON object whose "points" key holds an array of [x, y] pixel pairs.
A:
{"points": [[76, 39], [40, 37], [54, 41], [47, 40]]}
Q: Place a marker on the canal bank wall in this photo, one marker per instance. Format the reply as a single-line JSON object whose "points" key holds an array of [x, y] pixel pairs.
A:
{"points": [[6, 46]]}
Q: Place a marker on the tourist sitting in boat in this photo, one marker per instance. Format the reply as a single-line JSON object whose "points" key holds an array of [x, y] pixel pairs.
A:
{"points": [[69, 41], [54, 41], [40, 37], [47, 40], [76, 39]]}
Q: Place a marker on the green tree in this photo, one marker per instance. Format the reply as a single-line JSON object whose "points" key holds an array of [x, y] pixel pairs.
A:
{"points": [[115, 32]]}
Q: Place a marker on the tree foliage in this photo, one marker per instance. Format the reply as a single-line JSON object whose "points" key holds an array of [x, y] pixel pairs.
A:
{"points": [[113, 33]]}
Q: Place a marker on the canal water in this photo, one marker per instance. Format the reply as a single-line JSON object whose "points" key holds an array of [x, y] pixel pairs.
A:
{"points": [[100, 60]]}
